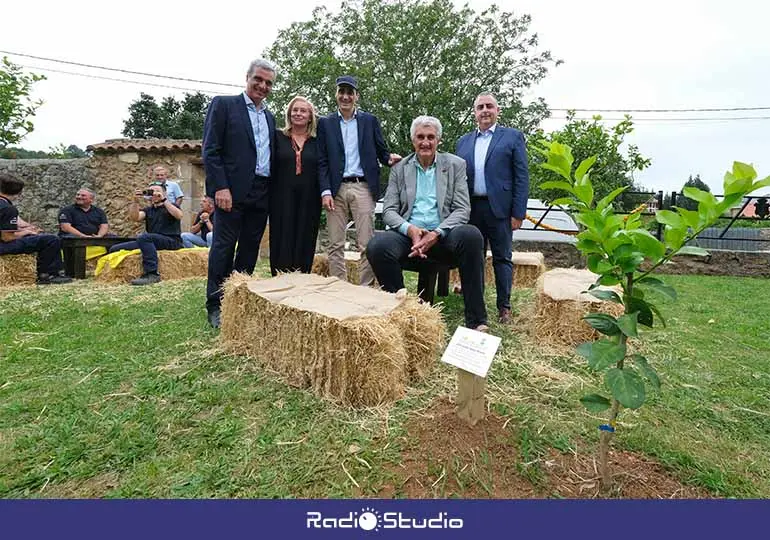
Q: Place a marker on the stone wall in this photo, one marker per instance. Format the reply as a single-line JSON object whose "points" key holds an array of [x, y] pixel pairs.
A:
{"points": [[49, 184], [118, 175]]}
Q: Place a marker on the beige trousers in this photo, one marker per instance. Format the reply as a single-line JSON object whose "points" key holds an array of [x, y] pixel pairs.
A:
{"points": [[353, 199]]}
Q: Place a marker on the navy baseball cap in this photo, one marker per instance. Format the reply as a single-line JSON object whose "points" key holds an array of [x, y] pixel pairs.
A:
{"points": [[347, 80]]}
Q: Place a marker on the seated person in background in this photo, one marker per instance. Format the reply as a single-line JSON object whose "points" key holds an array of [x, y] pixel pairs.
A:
{"points": [[202, 230], [83, 218], [173, 191], [17, 236], [161, 222], [427, 209]]}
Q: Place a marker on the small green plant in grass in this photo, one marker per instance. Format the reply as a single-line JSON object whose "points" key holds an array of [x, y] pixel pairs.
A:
{"points": [[616, 248]]}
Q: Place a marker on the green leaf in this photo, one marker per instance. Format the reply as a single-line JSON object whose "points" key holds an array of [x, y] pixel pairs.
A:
{"points": [[700, 195], [557, 184], [647, 371], [647, 243], [738, 186], [588, 246], [604, 202], [690, 217], [609, 280], [658, 286], [563, 201], [667, 217], [743, 170], [674, 237], [631, 262], [728, 202], [595, 403], [585, 192], [598, 264], [692, 250], [658, 314], [606, 324], [627, 323], [604, 294], [560, 170], [637, 305], [626, 386], [765, 182], [602, 353], [583, 167]]}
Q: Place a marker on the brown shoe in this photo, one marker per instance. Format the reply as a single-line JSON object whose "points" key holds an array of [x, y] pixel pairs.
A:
{"points": [[505, 316], [481, 328]]}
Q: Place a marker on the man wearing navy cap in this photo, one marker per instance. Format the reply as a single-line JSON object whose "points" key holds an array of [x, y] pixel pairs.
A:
{"points": [[350, 145]]}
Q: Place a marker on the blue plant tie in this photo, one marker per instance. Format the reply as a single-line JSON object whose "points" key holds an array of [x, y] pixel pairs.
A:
{"points": [[607, 427]]}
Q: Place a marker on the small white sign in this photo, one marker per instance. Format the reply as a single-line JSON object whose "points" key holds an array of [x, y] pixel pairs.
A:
{"points": [[471, 350]]}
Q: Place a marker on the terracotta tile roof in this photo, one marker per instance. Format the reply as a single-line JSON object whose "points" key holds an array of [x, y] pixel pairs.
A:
{"points": [[146, 145]]}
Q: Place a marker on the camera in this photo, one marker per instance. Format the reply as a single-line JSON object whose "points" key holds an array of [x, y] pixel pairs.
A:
{"points": [[148, 192]]}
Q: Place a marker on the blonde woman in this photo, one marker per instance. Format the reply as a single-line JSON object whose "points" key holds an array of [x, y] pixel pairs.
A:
{"points": [[295, 201]]}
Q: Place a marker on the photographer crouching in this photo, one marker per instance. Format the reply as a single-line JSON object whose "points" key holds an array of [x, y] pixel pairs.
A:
{"points": [[161, 221]]}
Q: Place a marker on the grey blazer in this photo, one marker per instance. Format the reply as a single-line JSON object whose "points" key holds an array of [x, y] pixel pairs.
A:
{"points": [[452, 198]]}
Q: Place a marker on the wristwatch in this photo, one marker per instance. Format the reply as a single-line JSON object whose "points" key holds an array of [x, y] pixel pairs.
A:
{"points": [[439, 232]]}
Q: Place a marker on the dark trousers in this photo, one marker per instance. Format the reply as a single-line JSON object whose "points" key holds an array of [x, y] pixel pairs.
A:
{"points": [[244, 225], [149, 244], [46, 246], [497, 232], [463, 246]]}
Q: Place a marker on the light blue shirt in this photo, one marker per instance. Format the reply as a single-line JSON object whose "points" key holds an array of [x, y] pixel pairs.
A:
{"points": [[261, 135], [349, 130], [425, 210], [479, 157], [173, 191]]}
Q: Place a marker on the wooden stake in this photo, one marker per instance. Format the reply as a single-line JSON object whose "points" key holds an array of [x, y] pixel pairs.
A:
{"points": [[471, 405]]}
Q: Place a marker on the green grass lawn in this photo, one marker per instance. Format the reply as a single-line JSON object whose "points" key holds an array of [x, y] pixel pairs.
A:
{"points": [[119, 391]]}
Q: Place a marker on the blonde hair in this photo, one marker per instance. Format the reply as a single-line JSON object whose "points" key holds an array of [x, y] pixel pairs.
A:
{"points": [[312, 125]]}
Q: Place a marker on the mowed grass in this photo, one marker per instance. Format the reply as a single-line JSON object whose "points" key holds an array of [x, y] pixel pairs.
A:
{"points": [[120, 391]]}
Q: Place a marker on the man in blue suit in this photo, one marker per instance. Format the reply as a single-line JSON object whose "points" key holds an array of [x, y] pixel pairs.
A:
{"points": [[238, 139], [498, 181], [350, 144]]}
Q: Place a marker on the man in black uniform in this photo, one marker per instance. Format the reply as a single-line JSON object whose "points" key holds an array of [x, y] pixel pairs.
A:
{"points": [[83, 218], [17, 236], [161, 221]]}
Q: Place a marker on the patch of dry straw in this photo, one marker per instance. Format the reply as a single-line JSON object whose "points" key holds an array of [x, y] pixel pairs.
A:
{"points": [[359, 361], [527, 268], [557, 319], [18, 270], [171, 265]]}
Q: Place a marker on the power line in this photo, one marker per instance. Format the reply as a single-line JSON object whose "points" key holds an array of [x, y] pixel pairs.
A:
{"points": [[93, 66], [711, 109], [694, 119], [88, 76]]}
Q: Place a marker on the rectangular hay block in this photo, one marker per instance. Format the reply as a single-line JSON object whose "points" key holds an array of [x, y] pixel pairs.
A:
{"points": [[18, 270], [357, 346], [179, 264], [527, 267]]}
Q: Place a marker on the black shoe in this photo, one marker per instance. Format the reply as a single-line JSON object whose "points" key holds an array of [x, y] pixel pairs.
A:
{"points": [[146, 279], [215, 318], [48, 279]]}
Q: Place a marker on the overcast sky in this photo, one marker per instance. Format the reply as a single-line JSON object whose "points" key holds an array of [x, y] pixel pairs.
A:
{"points": [[617, 55]]}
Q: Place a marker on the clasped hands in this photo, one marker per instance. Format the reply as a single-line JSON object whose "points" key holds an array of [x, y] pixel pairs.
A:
{"points": [[422, 241]]}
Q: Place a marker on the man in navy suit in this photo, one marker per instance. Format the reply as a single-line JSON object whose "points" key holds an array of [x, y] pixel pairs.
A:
{"points": [[238, 139], [498, 181], [350, 145]]}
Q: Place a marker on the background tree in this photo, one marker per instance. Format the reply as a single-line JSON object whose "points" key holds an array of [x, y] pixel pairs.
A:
{"points": [[414, 57], [60, 151], [171, 119], [689, 204], [16, 107], [588, 138]]}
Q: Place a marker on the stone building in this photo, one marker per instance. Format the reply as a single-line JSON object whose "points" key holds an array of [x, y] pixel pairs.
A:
{"points": [[121, 166]]}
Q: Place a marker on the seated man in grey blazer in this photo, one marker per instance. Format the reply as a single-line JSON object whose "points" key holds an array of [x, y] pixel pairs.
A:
{"points": [[427, 209]]}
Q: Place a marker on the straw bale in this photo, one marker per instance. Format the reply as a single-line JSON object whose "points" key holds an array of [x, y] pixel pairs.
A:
{"points": [[18, 270], [177, 264], [320, 265], [561, 304], [527, 267], [356, 346]]}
